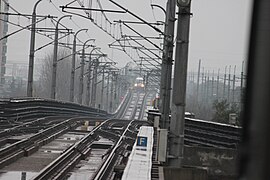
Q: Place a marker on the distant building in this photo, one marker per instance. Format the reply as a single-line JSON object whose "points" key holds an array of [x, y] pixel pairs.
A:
{"points": [[3, 43]]}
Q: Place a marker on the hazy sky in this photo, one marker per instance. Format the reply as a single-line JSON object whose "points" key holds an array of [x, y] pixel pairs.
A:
{"points": [[219, 30]]}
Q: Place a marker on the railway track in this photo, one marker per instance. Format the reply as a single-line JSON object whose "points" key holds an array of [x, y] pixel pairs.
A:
{"points": [[25, 128], [120, 135], [68, 152], [64, 150], [33, 151], [207, 133], [135, 108], [33, 141], [211, 134]]}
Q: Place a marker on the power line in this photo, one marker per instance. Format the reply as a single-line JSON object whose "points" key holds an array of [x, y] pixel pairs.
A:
{"points": [[14, 9], [23, 28], [71, 18], [115, 33]]}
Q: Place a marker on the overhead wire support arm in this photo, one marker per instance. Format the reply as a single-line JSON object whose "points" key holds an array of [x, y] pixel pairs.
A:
{"points": [[128, 46], [87, 17], [131, 13], [26, 15], [145, 60], [142, 36], [156, 5], [145, 48], [23, 28], [53, 29], [92, 9], [137, 22], [90, 18], [153, 59], [150, 63], [77, 14], [71, 2], [56, 21], [51, 42]]}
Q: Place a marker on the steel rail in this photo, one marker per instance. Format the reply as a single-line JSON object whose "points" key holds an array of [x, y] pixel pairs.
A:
{"points": [[32, 143], [143, 106], [66, 161], [107, 165], [209, 139]]}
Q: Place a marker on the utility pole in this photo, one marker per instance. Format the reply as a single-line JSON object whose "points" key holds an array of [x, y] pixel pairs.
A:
{"points": [[207, 88], [107, 92], [224, 83], [115, 90], [54, 69], [81, 78], [241, 87], [166, 66], [203, 85], [88, 82], [102, 88], [82, 72], [212, 86], [102, 85], [32, 53], [89, 78], [233, 90], [94, 85], [72, 78], [229, 84], [119, 87], [111, 93], [218, 85], [94, 81], [255, 134], [177, 125], [198, 83]]}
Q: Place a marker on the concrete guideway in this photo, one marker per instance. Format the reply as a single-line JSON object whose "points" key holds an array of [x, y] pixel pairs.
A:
{"points": [[140, 160]]}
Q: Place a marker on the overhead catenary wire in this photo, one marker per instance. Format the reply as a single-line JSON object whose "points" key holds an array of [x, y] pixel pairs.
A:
{"points": [[99, 4], [14, 24], [96, 23], [71, 18], [13, 9], [50, 43], [115, 32], [28, 26], [23, 28]]}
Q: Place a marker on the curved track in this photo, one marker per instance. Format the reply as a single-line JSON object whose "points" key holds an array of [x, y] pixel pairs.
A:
{"points": [[58, 147]]}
